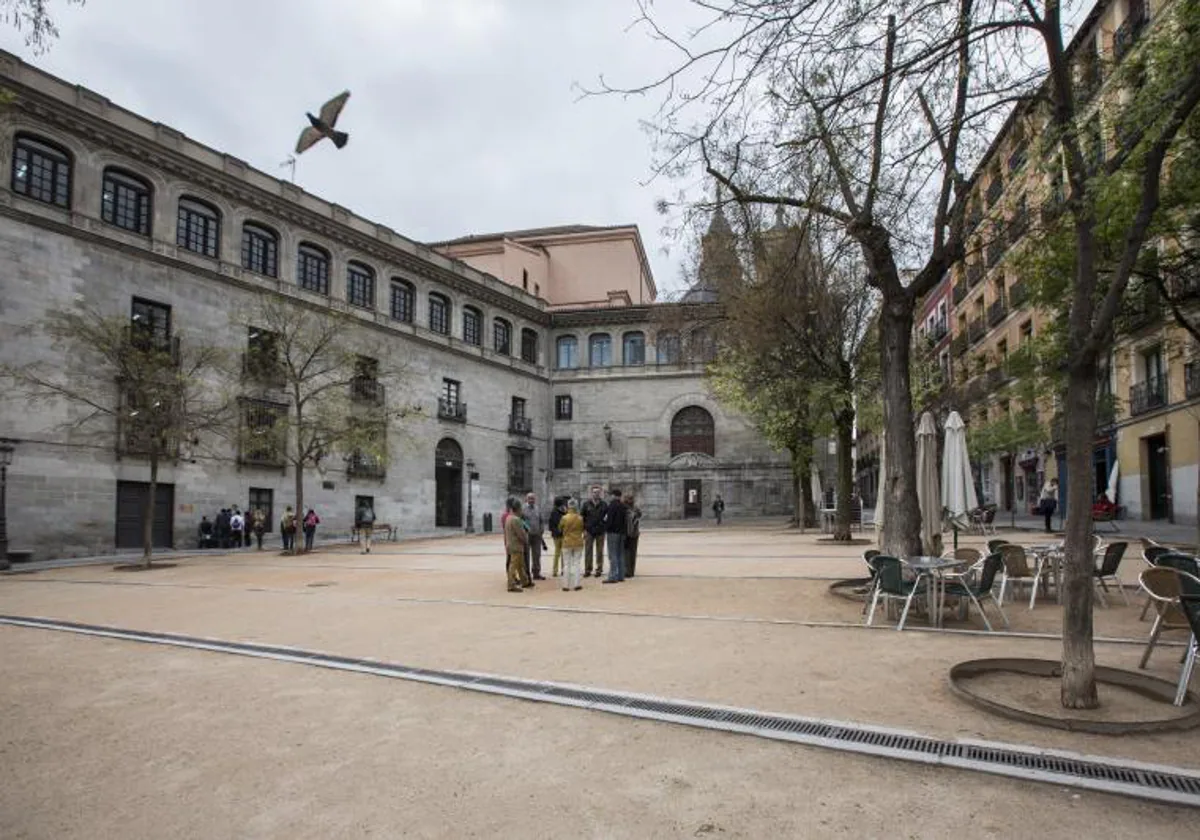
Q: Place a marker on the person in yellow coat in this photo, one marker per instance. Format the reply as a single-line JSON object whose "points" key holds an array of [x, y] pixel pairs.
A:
{"points": [[571, 526]]}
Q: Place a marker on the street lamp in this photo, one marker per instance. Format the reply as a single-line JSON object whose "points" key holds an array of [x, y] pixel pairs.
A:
{"points": [[7, 445], [472, 477]]}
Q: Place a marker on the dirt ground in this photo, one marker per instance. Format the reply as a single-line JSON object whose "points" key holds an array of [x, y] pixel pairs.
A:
{"points": [[114, 739]]}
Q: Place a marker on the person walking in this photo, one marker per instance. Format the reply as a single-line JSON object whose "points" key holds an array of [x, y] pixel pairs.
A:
{"points": [[237, 527], [516, 539], [311, 521], [571, 526], [1048, 501], [718, 507], [537, 527], [554, 523], [615, 526], [593, 524], [258, 524], [287, 529], [364, 522], [633, 532], [206, 533]]}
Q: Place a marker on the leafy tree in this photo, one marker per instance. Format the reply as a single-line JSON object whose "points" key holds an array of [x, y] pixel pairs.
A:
{"points": [[131, 386]]}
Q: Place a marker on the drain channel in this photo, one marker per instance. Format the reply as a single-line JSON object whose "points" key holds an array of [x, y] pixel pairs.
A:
{"points": [[1145, 781]]}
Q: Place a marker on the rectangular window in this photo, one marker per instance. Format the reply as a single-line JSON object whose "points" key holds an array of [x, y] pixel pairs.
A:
{"points": [[518, 407], [520, 470], [260, 442], [259, 251], [151, 323], [197, 228], [263, 499], [564, 454], [568, 353], [312, 271], [471, 327], [451, 391], [360, 287], [502, 337], [402, 302], [125, 202], [529, 346], [563, 407], [439, 315], [261, 362]]}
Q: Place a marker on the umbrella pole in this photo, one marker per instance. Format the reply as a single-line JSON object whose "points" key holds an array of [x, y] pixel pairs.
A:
{"points": [[956, 538]]}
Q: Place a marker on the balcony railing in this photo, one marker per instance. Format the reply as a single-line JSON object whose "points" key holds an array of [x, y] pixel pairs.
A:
{"points": [[974, 274], [958, 345], [262, 370], [960, 292], [1148, 395], [1191, 380], [1142, 308], [1018, 293], [939, 331], [976, 331], [453, 411], [362, 465], [369, 391], [518, 425], [261, 457], [997, 312], [1127, 33]]}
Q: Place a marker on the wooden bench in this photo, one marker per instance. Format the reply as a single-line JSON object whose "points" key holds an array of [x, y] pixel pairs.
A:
{"points": [[376, 529]]}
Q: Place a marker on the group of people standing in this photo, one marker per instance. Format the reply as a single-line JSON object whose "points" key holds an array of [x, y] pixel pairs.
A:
{"points": [[580, 535], [232, 529]]}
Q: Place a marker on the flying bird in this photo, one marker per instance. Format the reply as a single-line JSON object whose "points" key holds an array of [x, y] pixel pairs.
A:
{"points": [[322, 125]]}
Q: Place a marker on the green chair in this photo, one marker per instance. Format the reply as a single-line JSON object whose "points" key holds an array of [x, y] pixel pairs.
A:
{"points": [[992, 565], [1107, 571], [890, 584]]}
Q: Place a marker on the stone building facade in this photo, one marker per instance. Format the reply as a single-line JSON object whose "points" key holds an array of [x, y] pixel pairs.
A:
{"points": [[105, 208]]}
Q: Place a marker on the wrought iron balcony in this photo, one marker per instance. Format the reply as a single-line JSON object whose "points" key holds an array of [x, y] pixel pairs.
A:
{"points": [[958, 345], [1191, 380], [1148, 395], [266, 456], [939, 331], [362, 465], [453, 411], [1018, 293], [997, 312], [518, 425], [1142, 308], [369, 391], [960, 292], [974, 274], [976, 331]]}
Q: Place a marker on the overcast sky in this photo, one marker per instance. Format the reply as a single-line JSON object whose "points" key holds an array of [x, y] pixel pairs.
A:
{"points": [[464, 115]]}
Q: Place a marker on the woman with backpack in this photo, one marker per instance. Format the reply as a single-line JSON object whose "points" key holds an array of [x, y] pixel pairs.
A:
{"points": [[287, 528], [311, 521]]}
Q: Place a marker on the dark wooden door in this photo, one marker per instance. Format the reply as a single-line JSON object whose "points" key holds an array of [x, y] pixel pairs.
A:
{"points": [[1157, 465], [692, 504], [131, 505], [448, 502]]}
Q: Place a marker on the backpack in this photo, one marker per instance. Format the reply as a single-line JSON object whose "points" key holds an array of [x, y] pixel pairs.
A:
{"points": [[288, 523]]}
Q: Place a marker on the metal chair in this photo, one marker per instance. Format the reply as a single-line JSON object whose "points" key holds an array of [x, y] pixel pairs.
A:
{"points": [[1108, 571], [1155, 553], [1163, 586], [1189, 600], [994, 545], [1016, 569], [867, 556], [890, 584], [987, 578]]}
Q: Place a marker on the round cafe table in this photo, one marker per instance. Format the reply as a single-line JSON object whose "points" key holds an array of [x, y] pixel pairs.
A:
{"points": [[935, 568]]}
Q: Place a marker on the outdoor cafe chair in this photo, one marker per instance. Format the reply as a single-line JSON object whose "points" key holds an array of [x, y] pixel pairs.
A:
{"points": [[1107, 571], [994, 545], [1164, 586], [1189, 599], [1017, 570], [891, 585], [1161, 555], [867, 556], [983, 589]]}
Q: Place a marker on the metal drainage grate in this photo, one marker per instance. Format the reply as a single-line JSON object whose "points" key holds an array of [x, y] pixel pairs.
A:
{"points": [[1165, 784]]}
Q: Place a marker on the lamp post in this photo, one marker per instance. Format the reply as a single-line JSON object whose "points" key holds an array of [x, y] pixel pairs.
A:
{"points": [[472, 477], [7, 445]]}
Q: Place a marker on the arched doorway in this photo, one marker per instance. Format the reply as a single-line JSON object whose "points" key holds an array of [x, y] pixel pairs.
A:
{"points": [[693, 435], [448, 464]]}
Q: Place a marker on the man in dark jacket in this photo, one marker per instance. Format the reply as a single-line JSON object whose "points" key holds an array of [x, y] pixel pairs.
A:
{"points": [[556, 515], [593, 525], [615, 526]]}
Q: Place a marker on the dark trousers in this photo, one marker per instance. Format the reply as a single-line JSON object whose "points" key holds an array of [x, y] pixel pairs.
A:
{"points": [[289, 540], [309, 534], [533, 557], [237, 539], [258, 537], [248, 535], [631, 544], [1048, 512], [593, 543]]}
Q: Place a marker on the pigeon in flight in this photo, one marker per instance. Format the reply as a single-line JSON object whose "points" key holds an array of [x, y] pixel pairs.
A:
{"points": [[322, 125]]}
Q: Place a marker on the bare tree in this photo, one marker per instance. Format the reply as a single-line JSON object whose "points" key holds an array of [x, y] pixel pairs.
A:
{"points": [[33, 18], [314, 387], [131, 385]]}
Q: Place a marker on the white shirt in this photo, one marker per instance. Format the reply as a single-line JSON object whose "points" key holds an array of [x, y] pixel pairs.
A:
{"points": [[237, 522]]}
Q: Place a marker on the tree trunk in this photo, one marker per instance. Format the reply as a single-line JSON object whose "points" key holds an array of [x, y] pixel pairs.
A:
{"points": [[845, 480], [797, 489], [1197, 494], [298, 464], [1078, 657], [902, 520], [148, 514]]}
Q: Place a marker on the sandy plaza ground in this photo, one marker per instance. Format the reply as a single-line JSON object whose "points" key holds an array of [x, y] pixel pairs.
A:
{"points": [[111, 738]]}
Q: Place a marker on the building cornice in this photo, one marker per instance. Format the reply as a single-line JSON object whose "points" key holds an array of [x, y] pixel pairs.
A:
{"points": [[638, 314]]}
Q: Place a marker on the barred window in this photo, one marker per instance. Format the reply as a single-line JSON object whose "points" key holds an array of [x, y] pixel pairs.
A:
{"points": [[312, 269], [151, 323], [564, 454], [472, 326], [260, 250], [360, 286], [439, 314], [502, 336], [262, 431], [198, 227], [125, 201], [42, 171], [402, 301], [520, 470], [563, 407]]}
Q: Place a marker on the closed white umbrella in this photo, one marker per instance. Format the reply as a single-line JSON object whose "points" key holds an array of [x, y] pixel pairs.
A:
{"points": [[1112, 482], [928, 497], [958, 488], [881, 490], [815, 485]]}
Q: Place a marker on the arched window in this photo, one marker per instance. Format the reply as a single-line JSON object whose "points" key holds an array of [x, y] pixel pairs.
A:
{"points": [[472, 326], [403, 301], [701, 346], [633, 348], [41, 170], [692, 431], [502, 336], [529, 346], [360, 285], [260, 249], [668, 348], [567, 352], [125, 201], [600, 350], [312, 269], [439, 313], [198, 227]]}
